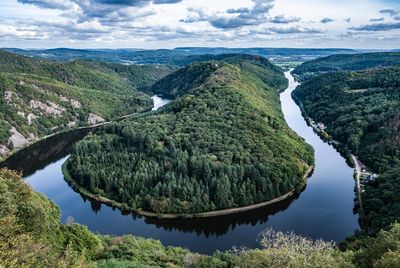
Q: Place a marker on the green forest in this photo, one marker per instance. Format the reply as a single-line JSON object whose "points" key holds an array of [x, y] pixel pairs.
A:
{"points": [[31, 235], [347, 62], [221, 143], [362, 110], [39, 97]]}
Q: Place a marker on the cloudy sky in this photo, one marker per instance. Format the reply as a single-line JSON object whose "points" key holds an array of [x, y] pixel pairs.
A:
{"points": [[173, 23]]}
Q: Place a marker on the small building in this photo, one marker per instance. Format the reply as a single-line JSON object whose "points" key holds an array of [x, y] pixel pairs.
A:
{"points": [[321, 126], [372, 177]]}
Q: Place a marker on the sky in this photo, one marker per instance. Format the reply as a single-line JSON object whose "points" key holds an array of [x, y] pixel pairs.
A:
{"points": [[368, 24]]}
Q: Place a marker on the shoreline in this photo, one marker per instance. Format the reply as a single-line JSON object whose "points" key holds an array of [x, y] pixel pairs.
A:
{"points": [[350, 158], [17, 150], [88, 127], [207, 214]]}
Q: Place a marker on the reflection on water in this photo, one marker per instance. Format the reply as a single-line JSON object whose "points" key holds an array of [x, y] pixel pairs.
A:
{"points": [[41, 154], [323, 210]]}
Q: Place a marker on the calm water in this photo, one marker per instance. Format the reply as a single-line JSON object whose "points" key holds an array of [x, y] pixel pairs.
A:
{"points": [[323, 210], [158, 102]]}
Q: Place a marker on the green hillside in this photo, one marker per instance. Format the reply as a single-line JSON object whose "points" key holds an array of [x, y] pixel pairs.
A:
{"points": [[31, 235], [222, 143], [40, 97], [347, 62], [362, 110]]}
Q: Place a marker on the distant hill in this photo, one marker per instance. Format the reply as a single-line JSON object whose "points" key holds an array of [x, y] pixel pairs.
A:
{"points": [[349, 62], [40, 97], [178, 56]]}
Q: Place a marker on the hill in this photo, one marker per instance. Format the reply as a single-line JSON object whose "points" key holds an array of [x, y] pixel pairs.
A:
{"points": [[347, 62], [181, 56], [362, 110], [221, 143], [39, 97]]}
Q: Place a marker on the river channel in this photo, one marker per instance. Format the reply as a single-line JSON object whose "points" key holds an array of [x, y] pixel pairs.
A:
{"points": [[323, 210]]}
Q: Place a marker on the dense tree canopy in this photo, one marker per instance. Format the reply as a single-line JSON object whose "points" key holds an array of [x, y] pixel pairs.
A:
{"points": [[31, 235], [362, 110], [39, 97], [222, 143], [347, 62]]}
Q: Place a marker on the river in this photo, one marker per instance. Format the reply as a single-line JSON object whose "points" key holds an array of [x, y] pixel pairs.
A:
{"points": [[158, 102], [323, 210]]}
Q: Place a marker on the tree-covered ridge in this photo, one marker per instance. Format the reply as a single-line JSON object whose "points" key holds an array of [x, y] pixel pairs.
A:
{"points": [[222, 144], [188, 78], [362, 110], [180, 56], [87, 74], [39, 97], [347, 62]]}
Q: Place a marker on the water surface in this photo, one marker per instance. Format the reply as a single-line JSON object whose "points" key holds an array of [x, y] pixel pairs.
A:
{"points": [[158, 102], [323, 210]]}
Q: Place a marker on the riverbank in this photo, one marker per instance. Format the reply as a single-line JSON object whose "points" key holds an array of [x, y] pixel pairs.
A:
{"points": [[341, 148], [208, 214], [15, 151], [88, 127]]}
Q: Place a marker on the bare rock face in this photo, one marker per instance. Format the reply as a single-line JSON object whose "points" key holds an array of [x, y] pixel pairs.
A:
{"points": [[12, 99], [64, 99], [71, 124], [4, 150], [17, 139], [50, 108], [8, 96], [76, 104], [95, 119], [30, 118], [31, 137]]}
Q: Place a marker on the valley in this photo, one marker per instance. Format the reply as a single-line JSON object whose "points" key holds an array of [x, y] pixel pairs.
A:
{"points": [[334, 192], [40, 98], [199, 134], [246, 95], [366, 124]]}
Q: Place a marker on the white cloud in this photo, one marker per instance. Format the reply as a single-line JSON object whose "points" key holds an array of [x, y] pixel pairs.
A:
{"points": [[170, 23]]}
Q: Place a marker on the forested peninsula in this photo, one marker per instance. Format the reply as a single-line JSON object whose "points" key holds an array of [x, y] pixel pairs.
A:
{"points": [[221, 143]]}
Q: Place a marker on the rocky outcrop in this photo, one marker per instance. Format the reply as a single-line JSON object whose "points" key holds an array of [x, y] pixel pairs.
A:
{"points": [[76, 104], [50, 108], [8, 96], [17, 139], [95, 119]]}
